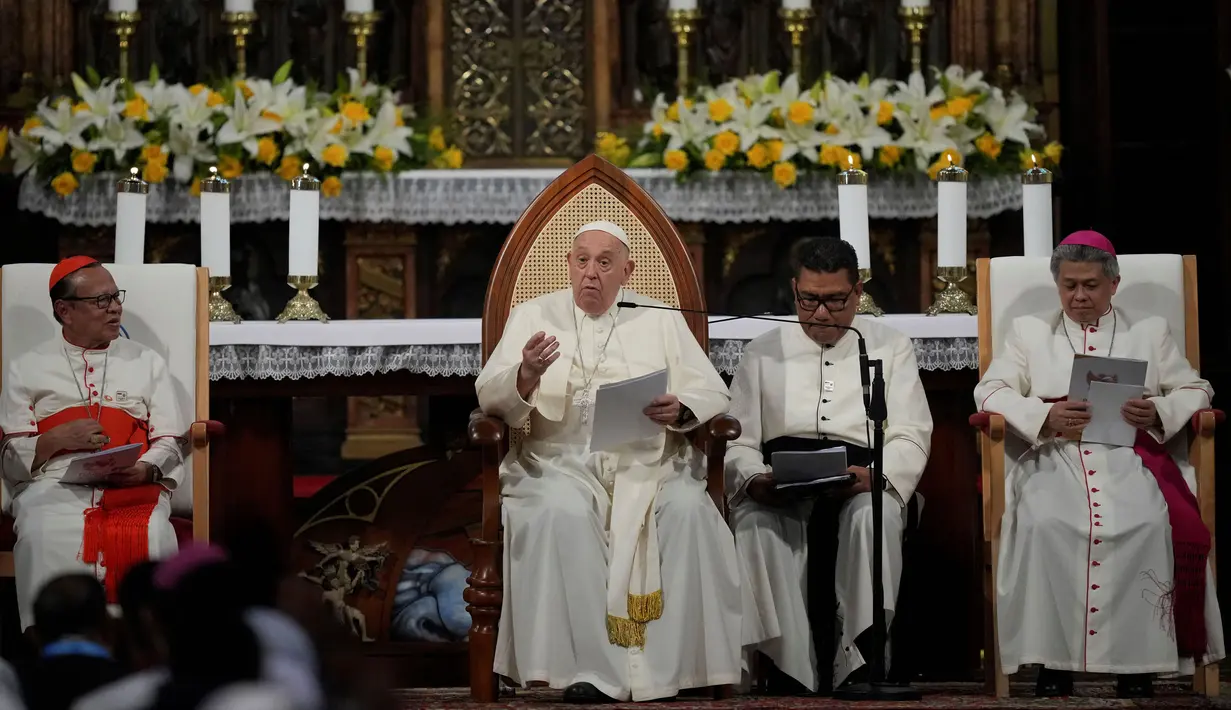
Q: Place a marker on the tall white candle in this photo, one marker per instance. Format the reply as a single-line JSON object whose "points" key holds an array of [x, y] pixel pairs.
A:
{"points": [[238, 6], [796, 4], [853, 213], [951, 217], [216, 224], [356, 6], [130, 199], [305, 224], [683, 5], [916, 3], [1036, 212], [122, 5]]}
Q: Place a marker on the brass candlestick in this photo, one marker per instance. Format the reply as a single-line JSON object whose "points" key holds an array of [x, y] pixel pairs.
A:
{"points": [[683, 24], [220, 308], [796, 21], [916, 20], [867, 304], [302, 306], [362, 25], [125, 25], [952, 299], [241, 26]]}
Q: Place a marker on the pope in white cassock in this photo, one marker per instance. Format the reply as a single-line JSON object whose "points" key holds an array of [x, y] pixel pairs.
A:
{"points": [[88, 390], [620, 577], [799, 388], [1103, 554]]}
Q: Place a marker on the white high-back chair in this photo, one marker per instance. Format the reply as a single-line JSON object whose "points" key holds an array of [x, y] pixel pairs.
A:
{"points": [[165, 308], [1008, 287]]}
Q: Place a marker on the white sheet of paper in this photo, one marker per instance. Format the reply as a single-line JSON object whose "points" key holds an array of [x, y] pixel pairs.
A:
{"points": [[619, 411], [1107, 425], [93, 468], [1114, 370], [792, 467]]}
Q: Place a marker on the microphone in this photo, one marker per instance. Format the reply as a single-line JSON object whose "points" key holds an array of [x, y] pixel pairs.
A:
{"points": [[864, 376]]}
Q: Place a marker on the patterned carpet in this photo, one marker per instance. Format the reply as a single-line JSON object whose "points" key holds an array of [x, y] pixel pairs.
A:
{"points": [[935, 695]]}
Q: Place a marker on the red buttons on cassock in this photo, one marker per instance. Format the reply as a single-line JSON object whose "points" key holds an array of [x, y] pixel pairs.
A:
{"points": [[1091, 348], [1097, 515], [1096, 563], [1093, 610], [1098, 525], [1093, 632], [1094, 587], [1090, 472], [90, 370], [1093, 329], [1096, 505], [1094, 490], [1098, 542], [1087, 453]]}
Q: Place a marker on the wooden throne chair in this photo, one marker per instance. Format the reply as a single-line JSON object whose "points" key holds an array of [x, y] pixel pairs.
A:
{"points": [[532, 263], [166, 308], [1009, 287]]}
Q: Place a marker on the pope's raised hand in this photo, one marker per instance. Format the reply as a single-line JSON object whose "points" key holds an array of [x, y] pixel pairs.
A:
{"points": [[540, 352]]}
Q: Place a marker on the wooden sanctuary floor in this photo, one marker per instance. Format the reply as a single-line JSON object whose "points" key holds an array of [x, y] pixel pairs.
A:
{"points": [[966, 696]]}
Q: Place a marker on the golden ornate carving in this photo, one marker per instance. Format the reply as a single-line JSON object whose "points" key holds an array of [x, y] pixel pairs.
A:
{"points": [[362, 502], [381, 286], [554, 54], [481, 39]]}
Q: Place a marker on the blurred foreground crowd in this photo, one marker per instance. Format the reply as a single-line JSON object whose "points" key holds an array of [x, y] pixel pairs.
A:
{"points": [[215, 626]]}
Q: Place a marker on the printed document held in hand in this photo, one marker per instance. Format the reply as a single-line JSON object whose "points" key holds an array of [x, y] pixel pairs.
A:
{"points": [[619, 411], [1107, 425], [795, 469], [94, 468]]}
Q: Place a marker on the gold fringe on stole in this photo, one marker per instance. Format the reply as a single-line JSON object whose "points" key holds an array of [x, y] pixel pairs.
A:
{"points": [[625, 632], [645, 607]]}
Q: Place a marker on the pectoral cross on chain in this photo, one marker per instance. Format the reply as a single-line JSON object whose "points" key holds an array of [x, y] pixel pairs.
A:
{"points": [[582, 401]]}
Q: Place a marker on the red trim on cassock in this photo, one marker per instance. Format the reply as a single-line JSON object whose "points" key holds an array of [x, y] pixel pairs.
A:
{"points": [[117, 529]]}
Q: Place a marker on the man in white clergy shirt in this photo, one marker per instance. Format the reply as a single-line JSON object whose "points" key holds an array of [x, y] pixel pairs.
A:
{"points": [[620, 578], [799, 388], [1103, 554]]}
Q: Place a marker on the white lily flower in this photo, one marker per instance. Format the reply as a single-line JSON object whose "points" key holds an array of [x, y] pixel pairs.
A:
{"points": [[60, 126], [925, 136], [658, 115], [187, 149], [870, 92], [320, 136], [1006, 120], [244, 125], [693, 128], [101, 102], [916, 98], [961, 83], [161, 97], [802, 139], [384, 131], [25, 153], [855, 127], [789, 93], [192, 111], [289, 105], [363, 91], [119, 135]]}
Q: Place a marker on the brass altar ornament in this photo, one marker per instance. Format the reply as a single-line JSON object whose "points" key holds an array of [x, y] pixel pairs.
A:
{"points": [[306, 181], [214, 183], [915, 20], [362, 26], [867, 304], [1036, 175], [302, 306], [683, 24], [125, 25], [240, 24], [132, 185], [952, 299], [953, 173], [852, 175], [796, 20]]}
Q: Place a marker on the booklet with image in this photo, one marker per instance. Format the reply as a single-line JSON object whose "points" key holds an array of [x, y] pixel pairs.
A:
{"points": [[811, 470], [1112, 370], [92, 469]]}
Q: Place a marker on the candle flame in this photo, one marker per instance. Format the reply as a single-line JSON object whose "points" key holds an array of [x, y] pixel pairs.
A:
{"points": [[133, 172], [850, 159], [1033, 160], [305, 169], [213, 171], [950, 158]]}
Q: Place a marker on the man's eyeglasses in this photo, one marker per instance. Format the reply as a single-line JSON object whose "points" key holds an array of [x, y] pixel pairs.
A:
{"points": [[833, 304], [102, 300]]}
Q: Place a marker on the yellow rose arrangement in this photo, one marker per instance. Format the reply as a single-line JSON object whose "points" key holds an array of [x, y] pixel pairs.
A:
{"points": [[782, 129], [175, 133]]}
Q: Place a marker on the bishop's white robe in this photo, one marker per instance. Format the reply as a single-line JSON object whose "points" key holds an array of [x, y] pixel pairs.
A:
{"points": [[568, 512], [64, 528], [787, 385], [1085, 542]]}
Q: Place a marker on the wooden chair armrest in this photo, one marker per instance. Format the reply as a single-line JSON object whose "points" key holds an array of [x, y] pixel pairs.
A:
{"points": [[1205, 420], [990, 423], [484, 430], [200, 433], [712, 437]]}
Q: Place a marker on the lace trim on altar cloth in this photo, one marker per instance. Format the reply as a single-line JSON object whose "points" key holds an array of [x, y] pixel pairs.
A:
{"points": [[269, 362], [499, 197]]}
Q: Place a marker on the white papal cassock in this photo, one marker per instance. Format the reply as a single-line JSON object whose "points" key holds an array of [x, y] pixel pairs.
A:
{"points": [[788, 385], [585, 533], [1085, 545], [71, 528]]}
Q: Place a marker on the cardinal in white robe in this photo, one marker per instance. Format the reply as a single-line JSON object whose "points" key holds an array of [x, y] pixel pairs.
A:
{"points": [[620, 577], [1103, 554], [799, 388], [85, 391]]}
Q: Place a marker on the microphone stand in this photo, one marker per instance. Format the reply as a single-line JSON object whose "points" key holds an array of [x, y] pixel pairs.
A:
{"points": [[877, 412]]}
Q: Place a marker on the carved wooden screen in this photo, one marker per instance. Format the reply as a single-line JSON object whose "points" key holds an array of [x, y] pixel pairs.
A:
{"points": [[518, 78]]}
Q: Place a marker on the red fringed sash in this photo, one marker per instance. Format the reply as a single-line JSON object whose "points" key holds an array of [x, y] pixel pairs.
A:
{"points": [[1190, 542], [117, 529]]}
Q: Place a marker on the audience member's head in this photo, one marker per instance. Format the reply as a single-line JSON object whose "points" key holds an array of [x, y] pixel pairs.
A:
{"points": [[143, 643], [72, 605]]}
